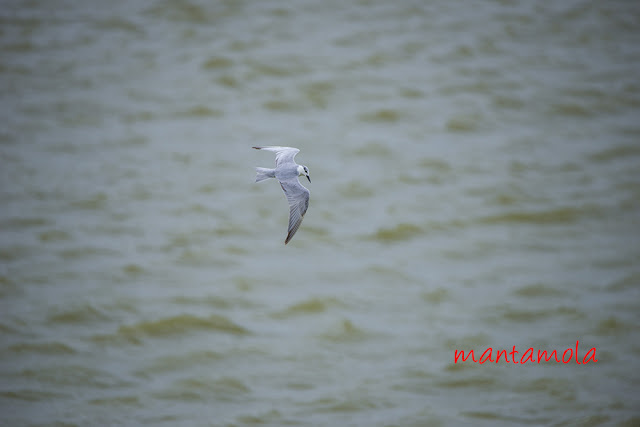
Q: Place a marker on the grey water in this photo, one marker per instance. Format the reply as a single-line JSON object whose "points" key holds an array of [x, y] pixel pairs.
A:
{"points": [[476, 184]]}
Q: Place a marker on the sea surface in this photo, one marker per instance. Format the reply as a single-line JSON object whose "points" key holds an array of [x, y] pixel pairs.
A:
{"points": [[475, 185]]}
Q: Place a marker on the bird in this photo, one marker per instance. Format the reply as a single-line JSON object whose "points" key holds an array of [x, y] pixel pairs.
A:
{"points": [[287, 172]]}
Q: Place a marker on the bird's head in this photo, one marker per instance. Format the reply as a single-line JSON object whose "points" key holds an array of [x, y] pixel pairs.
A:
{"points": [[303, 170]]}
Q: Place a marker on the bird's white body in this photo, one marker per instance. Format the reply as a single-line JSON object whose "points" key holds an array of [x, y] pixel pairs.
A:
{"points": [[287, 172]]}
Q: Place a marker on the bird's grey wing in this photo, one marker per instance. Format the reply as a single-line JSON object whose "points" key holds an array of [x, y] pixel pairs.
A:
{"points": [[298, 198], [283, 154]]}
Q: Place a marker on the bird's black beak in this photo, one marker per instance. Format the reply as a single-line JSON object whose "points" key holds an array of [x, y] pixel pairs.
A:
{"points": [[308, 178]]}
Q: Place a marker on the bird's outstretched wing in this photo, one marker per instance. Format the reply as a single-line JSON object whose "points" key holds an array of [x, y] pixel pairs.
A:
{"points": [[284, 155], [298, 198]]}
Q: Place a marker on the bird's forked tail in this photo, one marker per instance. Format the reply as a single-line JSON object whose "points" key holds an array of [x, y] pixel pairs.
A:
{"points": [[264, 173]]}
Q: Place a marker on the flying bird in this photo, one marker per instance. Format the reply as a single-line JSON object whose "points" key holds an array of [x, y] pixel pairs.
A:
{"points": [[287, 172]]}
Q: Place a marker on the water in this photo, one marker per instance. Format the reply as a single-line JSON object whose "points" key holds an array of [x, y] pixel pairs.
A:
{"points": [[475, 184]]}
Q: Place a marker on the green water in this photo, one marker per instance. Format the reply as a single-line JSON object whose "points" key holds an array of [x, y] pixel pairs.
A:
{"points": [[475, 185]]}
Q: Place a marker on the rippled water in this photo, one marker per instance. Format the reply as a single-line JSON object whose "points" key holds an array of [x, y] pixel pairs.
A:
{"points": [[476, 183]]}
